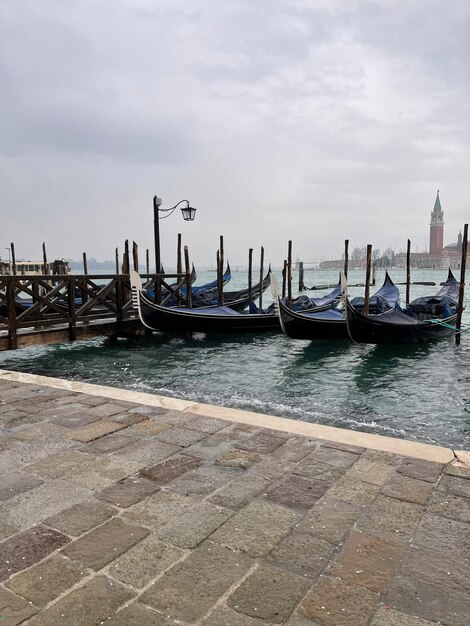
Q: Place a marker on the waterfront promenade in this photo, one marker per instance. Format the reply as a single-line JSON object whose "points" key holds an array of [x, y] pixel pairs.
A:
{"points": [[122, 508]]}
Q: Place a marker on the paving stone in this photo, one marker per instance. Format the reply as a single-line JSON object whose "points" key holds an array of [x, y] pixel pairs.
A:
{"points": [[456, 470], [138, 614], [15, 419], [172, 416], [311, 468], [371, 472], [158, 509], [335, 602], [389, 617], [225, 616], [241, 459], [269, 593], [76, 419], [433, 602], [47, 580], [41, 430], [102, 473], [408, 489], [346, 447], [14, 610], [332, 456], [180, 436], [33, 506], [108, 409], [128, 419], [447, 505], [7, 529], [368, 561], [295, 449], [193, 525], [56, 465], [128, 491], [455, 485], [387, 458], [164, 472], [257, 528], [391, 518], [103, 544], [297, 492], [202, 481], [240, 492], [150, 411], [208, 425], [422, 470], [272, 468], [26, 453], [148, 428], [439, 534], [261, 442], [94, 430], [330, 519], [109, 443], [354, 490], [27, 548], [451, 571], [15, 483], [81, 517], [146, 453], [85, 399], [303, 554], [144, 562], [211, 447], [93, 603], [280, 434], [298, 620], [210, 568]]}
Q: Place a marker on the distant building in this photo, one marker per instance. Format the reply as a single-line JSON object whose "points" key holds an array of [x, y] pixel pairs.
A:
{"points": [[439, 256]]}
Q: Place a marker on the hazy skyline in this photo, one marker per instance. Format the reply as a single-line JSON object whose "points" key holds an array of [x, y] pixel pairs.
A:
{"points": [[311, 120]]}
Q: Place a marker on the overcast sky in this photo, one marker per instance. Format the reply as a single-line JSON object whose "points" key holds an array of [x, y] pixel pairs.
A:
{"points": [[310, 120]]}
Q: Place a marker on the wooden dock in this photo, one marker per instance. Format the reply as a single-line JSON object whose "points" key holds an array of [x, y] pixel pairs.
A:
{"points": [[45, 309]]}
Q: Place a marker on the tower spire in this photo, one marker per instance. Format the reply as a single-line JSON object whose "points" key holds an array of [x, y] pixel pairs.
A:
{"points": [[437, 204]]}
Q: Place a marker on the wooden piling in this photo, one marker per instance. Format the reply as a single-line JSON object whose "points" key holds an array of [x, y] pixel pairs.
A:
{"points": [[261, 274], [220, 272], [367, 287], [346, 257], [13, 258], [250, 274], [116, 255], [188, 276], [44, 259], [126, 264], [284, 278], [289, 273], [147, 261], [408, 271], [463, 265], [135, 256], [85, 263], [301, 276]]}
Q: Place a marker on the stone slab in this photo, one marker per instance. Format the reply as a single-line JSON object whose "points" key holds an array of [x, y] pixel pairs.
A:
{"points": [[94, 603], [261, 442], [201, 482], [408, 489], [257, 528], [14, 610], [15, 483], [205, 424], [312, 468], [228, 617], [386, 616], [455, 485], [7, 529], [164, 472], [391, 518], [47, 580], [103, 544], [128, 491], [303, 554], [212, 568], [56, 465], [95, 430], [371, 472], [240, 492], [158, 509], [269, 593], [240, 459], [428, 565], [335, 602], [109, 443], [297, 492], [108, 409], [180, 436], [446, 536], [81, 517], [420, 469], [335, 457], [148, 428], [354, 490], [138, 614], [27, 548], [144, 562], [145, 453], [447, 505]]}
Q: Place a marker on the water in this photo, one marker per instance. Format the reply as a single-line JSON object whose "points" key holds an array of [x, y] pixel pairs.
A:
{"points": [[420, 393]]}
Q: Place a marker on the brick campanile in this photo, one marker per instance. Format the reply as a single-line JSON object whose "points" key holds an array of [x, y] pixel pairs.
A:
{"points": [[436, 228]]}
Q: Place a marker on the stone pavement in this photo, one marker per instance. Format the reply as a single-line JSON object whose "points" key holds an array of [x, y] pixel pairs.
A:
{"points": [[120, 513]]}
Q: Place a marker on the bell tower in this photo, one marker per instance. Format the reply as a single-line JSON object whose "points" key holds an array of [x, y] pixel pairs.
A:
{"points": [[436, 230]]}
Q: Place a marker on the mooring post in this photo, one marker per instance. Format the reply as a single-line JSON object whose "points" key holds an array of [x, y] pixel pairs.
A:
{"points": [[72, 311], [147, 262], [301, 276], [188, 277], [250, 275], [116, 254], [12, 322], [408, 271], [284, 279], [179, 265], [346, 257], [13, 259], [289, 274], [220, 272], [463, 265], [261, 274], [367, 287], [135, 256], [44, 259]]}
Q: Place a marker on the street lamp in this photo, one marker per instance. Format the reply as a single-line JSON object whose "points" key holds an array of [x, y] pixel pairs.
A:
{"points": [[188, 213]]}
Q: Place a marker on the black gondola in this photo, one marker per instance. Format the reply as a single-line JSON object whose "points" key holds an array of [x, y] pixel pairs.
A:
{"points": [[425, 319], [213, 319], [330, 323]]}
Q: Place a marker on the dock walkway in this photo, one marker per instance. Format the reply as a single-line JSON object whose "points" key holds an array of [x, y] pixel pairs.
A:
{"points": [[121, 508]]}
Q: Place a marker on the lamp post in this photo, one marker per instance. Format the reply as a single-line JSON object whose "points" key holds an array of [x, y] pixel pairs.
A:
{"points": [[188, 213]]}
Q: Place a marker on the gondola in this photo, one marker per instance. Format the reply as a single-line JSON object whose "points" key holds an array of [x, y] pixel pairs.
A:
{"points": [[329, 323], [425, 319], [212, 319]]}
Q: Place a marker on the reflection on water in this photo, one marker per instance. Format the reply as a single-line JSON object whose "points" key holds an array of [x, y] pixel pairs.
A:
{"points": [[417, 392]]}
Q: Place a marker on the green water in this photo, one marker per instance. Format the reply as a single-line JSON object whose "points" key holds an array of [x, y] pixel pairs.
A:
{"points": [[420, 393]]}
